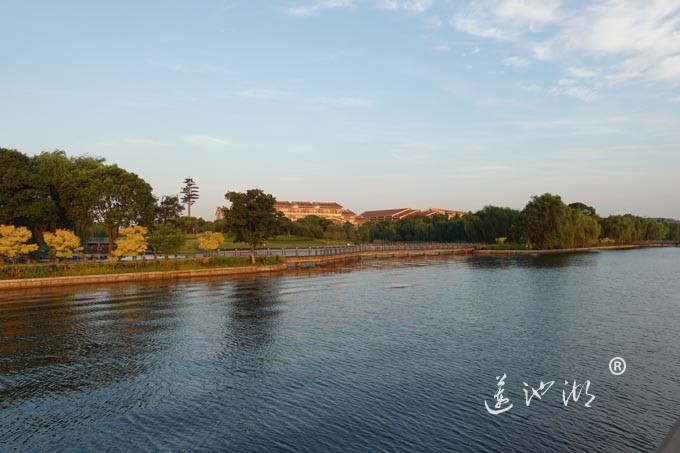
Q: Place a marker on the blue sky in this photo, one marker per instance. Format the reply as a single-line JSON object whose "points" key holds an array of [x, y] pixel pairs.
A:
{"points": [[375, 104]]}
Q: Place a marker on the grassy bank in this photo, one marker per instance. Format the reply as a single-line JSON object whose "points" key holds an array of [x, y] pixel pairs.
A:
{"points": [[501, 247], [90, 268], [191, 245]]}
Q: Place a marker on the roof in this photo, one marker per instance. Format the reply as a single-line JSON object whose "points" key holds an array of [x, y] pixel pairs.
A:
{"points": [[385, 212], [309, 204]]}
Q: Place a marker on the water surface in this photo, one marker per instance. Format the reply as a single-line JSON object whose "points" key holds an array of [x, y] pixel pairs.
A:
{"points": [[383, 356]]}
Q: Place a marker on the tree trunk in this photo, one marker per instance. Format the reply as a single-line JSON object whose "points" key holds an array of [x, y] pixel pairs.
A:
{"points": [[109, 233], [252, 253]]}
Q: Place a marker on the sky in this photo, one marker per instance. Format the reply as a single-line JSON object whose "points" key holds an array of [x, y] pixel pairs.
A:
{"points": [[375, 104]]}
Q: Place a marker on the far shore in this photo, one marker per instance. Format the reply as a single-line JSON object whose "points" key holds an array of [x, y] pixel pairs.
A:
{"points": [[46, 282]]}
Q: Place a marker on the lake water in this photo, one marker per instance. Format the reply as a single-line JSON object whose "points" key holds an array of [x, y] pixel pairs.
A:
{"points": [[382, 356]]}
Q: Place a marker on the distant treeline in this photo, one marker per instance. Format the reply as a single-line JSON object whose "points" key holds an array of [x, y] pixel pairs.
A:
{"points": [[546, 222], [90, 197]]}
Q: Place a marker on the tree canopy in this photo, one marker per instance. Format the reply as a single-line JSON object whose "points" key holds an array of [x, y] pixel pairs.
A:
{"points": [[251, 217]]}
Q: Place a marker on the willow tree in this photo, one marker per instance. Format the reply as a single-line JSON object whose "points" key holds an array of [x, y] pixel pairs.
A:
{"points": [[251, 217]]}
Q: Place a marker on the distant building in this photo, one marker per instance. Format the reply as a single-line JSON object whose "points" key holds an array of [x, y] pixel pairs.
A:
{"points": [[449, 213], [296, 210], [387, 214], [394, 215]]}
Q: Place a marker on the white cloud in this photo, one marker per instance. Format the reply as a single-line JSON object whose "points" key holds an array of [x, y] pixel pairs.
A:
{"points": [[310, 9], [581, 73], [206, 141], [144, 142], [506, 19], [516, 62], [577, 92], [191, 68], [417, 6], [263, 94], [530, 87], [623, 40], [475, 27], [667, 69], [352, 102]]}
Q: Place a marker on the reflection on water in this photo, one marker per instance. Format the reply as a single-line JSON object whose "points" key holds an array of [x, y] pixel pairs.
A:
{"points": [[384, 355]]}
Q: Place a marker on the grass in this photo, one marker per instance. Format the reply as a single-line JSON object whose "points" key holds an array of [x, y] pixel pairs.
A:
{"points": [[97, 268], [523, 247], [191, 245]]}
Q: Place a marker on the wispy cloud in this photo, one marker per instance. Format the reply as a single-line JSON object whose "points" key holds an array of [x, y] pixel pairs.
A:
{"points": [[278, 95], [516, 62], [417, 6], [625, 39], [355, 102], [581, 93], [206, 141], [310, 9], [264, 94], [506, 19], [144, 142], [191, 68], [582, 73]]}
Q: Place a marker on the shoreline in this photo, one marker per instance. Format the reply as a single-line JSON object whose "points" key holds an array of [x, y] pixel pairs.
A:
{"points": [[551, 251], [50, 282]]}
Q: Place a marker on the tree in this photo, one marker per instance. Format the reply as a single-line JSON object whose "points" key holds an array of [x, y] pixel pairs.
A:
{"points": [[62, 243], [624, 229], [545, 221], [112, 197], [584, 228], [166, 238], [251, 217], [584, 208], [169, 209], [490, 223], [210, 241], [13, 242], [656, 231], [132, 242], [25, 197], [190, 191]]}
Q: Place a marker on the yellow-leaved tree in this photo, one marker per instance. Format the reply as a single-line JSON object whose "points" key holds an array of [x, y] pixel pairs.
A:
{"points": [[13, 242], [210, 241], [62, 243], [132, 243]]}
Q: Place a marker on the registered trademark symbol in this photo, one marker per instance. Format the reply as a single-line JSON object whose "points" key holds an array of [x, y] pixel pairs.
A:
{"points": [[617, 366]]}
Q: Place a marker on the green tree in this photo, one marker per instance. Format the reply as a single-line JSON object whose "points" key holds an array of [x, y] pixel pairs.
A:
{"points": [[584, 208], [169, 209], [490, 223], [624, 229], [251, 217], [545, 222], [25, 197], [112, 197], [656, 231], [167, 239], [385, 231]]}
